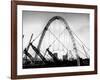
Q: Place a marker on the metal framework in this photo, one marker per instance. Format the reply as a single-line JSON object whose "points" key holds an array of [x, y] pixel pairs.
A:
{"points": [[67, 28]]}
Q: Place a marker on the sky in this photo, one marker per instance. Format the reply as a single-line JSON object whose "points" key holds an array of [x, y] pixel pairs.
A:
{"points": [[34, 22]]}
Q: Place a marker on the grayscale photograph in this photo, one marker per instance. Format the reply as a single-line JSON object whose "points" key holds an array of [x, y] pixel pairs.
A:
{"points": [[55, 39]]}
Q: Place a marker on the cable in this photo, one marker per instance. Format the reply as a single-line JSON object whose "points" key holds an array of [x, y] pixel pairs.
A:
{"points": [[58, 40], [36, 37], [80, 40]]}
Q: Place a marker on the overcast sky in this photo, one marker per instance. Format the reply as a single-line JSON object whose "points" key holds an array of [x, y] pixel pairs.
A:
{"points": [[34, 22]]}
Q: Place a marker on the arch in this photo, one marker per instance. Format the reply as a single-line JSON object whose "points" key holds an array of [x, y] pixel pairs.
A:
{"points": [[67, 28]]}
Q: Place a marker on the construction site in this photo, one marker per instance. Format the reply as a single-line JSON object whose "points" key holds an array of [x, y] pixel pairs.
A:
{"points": [[53, 49]]}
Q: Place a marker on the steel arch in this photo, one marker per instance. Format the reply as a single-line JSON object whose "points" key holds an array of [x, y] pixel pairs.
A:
{"points": [[67, 28]]}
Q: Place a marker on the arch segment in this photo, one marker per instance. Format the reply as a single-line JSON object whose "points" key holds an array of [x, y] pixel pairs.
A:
{"points": [[67, 28]]}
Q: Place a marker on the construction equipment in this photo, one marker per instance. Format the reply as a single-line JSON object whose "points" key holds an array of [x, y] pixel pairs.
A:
{"points": [[38, 53], [54, 57]]}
